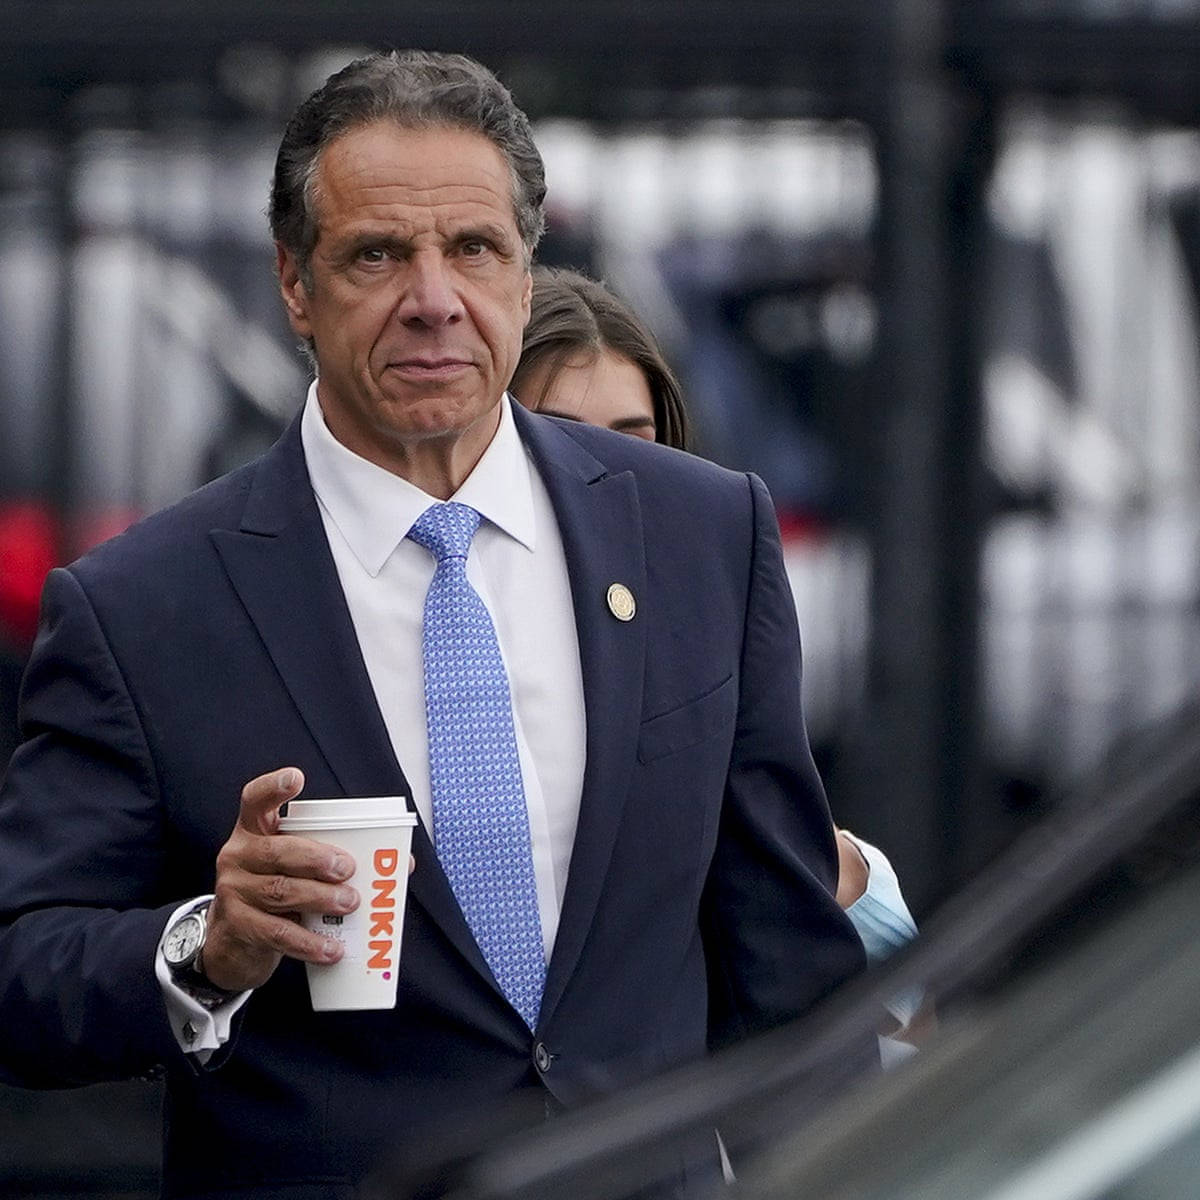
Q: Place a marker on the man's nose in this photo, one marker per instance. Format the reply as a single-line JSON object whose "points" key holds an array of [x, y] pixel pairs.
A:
{"points": [[429, 297]]}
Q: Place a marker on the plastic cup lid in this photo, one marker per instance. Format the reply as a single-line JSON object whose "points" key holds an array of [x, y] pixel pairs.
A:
{"points": [[347, 813]]}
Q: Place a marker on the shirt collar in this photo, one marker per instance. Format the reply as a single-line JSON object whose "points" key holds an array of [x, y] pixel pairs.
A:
{"points": [[374, 509]]}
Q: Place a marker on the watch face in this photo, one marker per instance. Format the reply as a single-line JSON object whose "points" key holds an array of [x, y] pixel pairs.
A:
{"points": [[183, 939]]}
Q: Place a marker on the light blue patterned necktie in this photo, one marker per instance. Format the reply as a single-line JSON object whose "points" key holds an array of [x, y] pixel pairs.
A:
{"points": [[480, 821]]}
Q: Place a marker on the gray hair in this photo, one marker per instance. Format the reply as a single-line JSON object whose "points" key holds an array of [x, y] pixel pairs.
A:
{"points": [[415, 89]]}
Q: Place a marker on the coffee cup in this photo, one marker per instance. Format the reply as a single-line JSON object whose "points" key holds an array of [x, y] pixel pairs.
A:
{"points": [[377, 831]]}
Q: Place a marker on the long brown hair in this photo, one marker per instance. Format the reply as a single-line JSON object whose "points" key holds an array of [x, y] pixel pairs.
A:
{"points": [[572, 315]]}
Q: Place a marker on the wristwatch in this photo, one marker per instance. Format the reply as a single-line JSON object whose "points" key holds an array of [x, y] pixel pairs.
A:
{"points": [[181, 946]]}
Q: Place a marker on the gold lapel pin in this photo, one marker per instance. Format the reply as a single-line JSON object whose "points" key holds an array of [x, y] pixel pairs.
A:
{"points": [[621, 602]]}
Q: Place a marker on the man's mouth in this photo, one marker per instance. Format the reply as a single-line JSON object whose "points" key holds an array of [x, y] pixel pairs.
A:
{"points": [[430, 366]]}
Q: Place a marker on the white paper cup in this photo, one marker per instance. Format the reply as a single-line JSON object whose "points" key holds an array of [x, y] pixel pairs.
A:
{"points": [[377, 831]]}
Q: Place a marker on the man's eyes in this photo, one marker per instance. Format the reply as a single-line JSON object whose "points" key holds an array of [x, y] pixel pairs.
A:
{"points": [[472, 247]]}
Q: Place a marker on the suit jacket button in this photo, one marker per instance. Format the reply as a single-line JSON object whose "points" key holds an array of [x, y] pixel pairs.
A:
{"points": [[541, 1057]]}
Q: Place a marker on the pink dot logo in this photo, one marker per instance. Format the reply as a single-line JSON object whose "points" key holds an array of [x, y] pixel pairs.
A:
{"points": [[387, 974]]}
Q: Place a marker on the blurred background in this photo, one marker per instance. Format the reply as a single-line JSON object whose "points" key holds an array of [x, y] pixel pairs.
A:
{"points": [[930, 267]]}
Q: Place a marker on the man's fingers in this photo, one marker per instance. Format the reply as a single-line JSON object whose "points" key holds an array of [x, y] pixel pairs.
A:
{"points": [[289, 893], [284, 854], [279, 934], [245, 947], [263, 797]]}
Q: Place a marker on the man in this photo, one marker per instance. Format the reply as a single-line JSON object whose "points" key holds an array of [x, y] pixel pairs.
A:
{"points": [[673, 855]]}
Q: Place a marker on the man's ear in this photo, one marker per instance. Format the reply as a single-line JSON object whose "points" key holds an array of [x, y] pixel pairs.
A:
{"points": [[293, 291], [527, 297]]}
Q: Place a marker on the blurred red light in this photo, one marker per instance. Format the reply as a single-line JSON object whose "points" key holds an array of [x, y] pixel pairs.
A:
{"points": [[28, 546]]}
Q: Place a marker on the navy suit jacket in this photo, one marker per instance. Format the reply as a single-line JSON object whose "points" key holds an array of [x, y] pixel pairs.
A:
{"points": [[212, 642]]}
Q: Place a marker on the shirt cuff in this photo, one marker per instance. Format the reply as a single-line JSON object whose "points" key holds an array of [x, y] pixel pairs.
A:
{"points": [[198, 1030]]}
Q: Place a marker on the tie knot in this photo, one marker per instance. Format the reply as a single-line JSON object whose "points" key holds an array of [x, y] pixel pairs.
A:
{"points": [[446, 530]]}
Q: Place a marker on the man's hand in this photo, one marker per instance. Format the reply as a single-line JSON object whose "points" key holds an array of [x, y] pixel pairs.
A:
{"points": [[265, 880], [852, 871]]}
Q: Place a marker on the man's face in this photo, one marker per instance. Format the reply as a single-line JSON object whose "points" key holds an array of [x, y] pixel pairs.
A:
{"points": [[418, 296]]}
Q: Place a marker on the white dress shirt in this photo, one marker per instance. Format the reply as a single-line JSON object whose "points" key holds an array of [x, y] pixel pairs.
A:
{"points": [[517, 565]]}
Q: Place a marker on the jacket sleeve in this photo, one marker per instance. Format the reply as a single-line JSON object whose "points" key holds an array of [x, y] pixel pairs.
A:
{"points": [[775, 939], [82, 898]]}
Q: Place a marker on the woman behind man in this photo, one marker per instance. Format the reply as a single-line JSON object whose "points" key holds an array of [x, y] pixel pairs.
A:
{"points": [[588, 357]]}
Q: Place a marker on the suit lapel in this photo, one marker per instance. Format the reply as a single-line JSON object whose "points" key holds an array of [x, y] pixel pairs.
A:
{"points": [[280, 565], [600, 523]]}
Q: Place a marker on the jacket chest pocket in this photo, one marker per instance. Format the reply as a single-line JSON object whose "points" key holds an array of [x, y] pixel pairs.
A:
{"points": [[692, 724]]}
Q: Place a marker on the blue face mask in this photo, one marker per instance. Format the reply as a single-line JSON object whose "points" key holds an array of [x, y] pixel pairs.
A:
{"points": [[884, 923]]}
